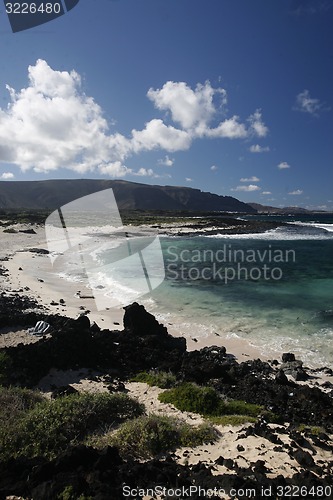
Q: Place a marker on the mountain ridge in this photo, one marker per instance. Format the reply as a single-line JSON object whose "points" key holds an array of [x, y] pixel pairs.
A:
{"points": [[267, 209], [53, 193]]}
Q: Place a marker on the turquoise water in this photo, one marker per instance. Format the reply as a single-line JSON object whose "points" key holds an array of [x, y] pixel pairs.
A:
{"points": [[219, 284], [274, 289]]}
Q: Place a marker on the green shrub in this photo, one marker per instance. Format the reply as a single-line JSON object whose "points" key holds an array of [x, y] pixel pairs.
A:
{"points": [[69, 494], [15, 402], [191, 397], [50, 427], [310, 429], [206, 401], [232, 420], [152, 435], [235, 407], [164, 380]]}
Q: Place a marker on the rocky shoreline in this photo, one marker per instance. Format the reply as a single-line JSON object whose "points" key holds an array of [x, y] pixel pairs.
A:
{"points": [[299, 398]]}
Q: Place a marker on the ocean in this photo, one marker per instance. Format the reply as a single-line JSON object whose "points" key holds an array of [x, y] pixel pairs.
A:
{"points": [[272, 289]]}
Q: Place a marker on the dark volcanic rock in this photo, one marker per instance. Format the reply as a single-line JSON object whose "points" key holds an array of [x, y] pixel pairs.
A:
{"points": [[104, 475], [209, 363], [13, 310], [288, 356], [138, 321], [41, 251], [27, 231], [75, 344], [65, 390], [281, 378]]}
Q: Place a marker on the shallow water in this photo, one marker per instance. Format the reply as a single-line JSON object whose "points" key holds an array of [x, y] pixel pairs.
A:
{"points": [[273, 289]]}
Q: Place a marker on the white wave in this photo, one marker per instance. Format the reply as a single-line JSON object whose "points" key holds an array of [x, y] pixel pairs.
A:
{"points": [[326, 227], [272, 234]]}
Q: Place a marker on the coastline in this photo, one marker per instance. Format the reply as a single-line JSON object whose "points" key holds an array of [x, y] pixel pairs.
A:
{"points": [[28, 271], [260, 454]]}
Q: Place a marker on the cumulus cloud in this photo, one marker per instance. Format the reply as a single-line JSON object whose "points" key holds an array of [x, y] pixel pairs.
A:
{"points": [[145, 172], [53, 124], [283, 165], [191, 109], [157, 135], [7, 175], [188, 179], [249, 188], [250, 179], [296, 192], [114, 169], [266, 192], [166, 161], [308, 104], [214, 168], [257, 126], [230, 128], [256, 148], [195, 109]]}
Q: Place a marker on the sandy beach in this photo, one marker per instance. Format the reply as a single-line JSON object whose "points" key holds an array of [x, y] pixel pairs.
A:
{"points": [[32, 274]]}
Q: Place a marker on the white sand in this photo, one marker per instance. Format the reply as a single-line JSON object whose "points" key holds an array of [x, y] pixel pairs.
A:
{"points": [[32, 274]]}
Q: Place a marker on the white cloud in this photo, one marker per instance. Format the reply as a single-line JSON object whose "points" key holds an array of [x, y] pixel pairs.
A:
{"points": [[191, 109], [308, 104], [157, 135], [296, 192], [53, 124], [115, 169], [250, 187], [283, 165], [188, 179], [214, 168], [195, 109], [7, 175], [266, 192], [256, 148], [145, 172], [257, 126], [250, 179], [166, 161], [230, 129]]}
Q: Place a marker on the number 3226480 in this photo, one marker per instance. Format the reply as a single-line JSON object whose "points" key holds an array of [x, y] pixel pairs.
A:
{"points": [[32, 8]]}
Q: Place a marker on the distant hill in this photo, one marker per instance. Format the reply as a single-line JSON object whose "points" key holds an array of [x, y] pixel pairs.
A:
{"points": [[51, 194], [274, 210]]}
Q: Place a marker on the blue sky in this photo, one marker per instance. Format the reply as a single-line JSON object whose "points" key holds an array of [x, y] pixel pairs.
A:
{"points": [[233, 97]]}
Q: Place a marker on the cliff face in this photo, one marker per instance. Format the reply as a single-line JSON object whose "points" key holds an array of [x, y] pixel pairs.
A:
{"points": [[51, 194]]}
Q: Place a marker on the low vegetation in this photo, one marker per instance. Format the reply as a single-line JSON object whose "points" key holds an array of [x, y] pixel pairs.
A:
{"points": [[310, 429], [207, 402], [164, 380], [69, 494], [15, 403], [51, 426], [5, 367], [153, 435]]}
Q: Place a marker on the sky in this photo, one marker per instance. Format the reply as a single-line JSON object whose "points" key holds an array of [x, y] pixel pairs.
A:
{"points": [[232, 97]]}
